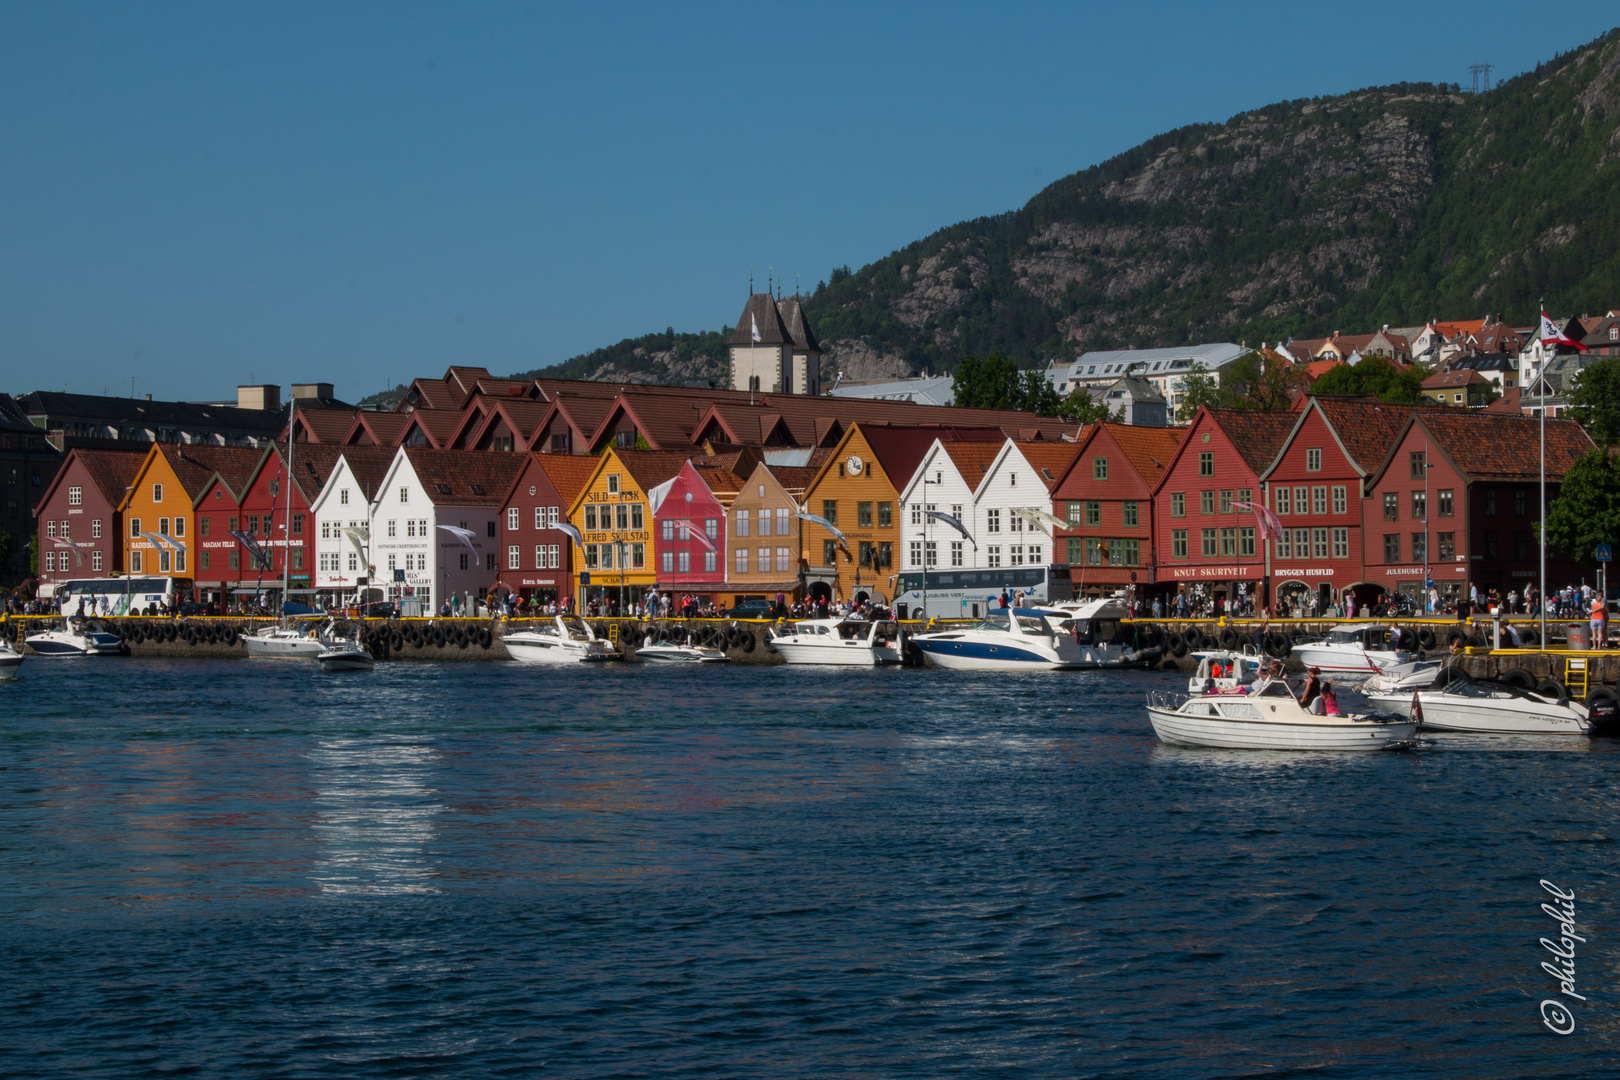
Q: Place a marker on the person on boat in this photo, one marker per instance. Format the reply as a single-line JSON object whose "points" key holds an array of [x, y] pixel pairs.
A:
{"points": [[1313, 687], [1326, 703]]}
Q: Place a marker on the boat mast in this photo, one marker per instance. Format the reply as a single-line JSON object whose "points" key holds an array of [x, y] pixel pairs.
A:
{"points": [[286, 551], [1541, 353]]}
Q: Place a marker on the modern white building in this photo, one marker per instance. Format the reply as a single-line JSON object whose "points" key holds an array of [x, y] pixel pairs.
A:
{"points": [[922, 390], [1166, 369]]}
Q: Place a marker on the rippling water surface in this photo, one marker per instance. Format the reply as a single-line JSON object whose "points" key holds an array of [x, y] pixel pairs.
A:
{"points": [[254, 868]]}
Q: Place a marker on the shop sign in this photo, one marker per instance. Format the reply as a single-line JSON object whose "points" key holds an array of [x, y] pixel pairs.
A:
{"points": [[1324, 571], [1214, 573], [540, 581]]}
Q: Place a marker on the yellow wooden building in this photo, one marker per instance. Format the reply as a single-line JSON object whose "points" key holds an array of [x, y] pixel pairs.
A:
{"points": [[159, 509], [615, 563]]}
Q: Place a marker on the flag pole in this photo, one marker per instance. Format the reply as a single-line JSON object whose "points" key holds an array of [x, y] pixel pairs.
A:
{"points": [[1541, 349]]}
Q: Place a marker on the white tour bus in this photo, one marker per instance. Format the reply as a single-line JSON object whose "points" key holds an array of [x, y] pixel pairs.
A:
{"points": [[966, 594], [120, 595]]}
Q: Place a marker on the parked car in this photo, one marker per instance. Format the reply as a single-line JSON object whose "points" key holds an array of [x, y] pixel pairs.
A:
{"points": [[753, 609], [383, 610]]}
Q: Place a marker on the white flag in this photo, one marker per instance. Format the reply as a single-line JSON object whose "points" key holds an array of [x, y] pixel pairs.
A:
{"points": [[755, 324]]}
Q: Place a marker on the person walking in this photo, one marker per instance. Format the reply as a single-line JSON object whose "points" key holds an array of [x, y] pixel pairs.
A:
{"points": [[1600, 623]]}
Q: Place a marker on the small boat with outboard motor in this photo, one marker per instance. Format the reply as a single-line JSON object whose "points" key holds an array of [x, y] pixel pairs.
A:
{"points": [[288, 641], [670, 652], [10, 660], [1364, 648], [841, 642], [563, 639], [344, 653], [1267, 716], [1021, 639], [76, 637], [1455, 702], [1222, 671]]}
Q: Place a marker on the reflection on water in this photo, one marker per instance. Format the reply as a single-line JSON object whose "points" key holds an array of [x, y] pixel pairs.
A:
{"points": [[375, 809]]}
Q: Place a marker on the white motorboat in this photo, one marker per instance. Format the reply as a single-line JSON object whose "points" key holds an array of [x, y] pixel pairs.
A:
{"points": [[10, 660], [845, 642], [75, 638], [1221, 671], [345, 654], [1365, 648], [1465, 704], [1413, 675], [668, 652], [286, 642], [1268, 718], [1020, 640], [566, 639], [1094, 625]]}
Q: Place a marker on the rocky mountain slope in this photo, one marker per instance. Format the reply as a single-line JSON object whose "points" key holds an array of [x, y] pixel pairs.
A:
{"points": [[1389, 205]]}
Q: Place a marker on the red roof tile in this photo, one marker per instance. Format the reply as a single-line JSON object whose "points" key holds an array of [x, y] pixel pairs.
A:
{"points": [[464, 477]]}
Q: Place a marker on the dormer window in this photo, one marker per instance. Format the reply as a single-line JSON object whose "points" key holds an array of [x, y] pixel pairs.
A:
{"points": [[443, 489]]}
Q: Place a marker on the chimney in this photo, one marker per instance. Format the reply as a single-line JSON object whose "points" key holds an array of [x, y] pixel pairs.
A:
{"points": [[265, 398], [148, 397], [312, 390]]}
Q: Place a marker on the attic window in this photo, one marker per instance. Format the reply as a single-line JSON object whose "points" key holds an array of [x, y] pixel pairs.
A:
{"points": [[1048, 474], [477, 489], [443, 489]]}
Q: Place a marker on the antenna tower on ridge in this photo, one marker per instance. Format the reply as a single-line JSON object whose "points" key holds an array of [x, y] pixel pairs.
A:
{"points": [[1482, 76]]}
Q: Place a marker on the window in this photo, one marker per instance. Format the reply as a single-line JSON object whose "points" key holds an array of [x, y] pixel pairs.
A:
{"points": [[1207, 546], [134, 529], [613, 483], [742, 522], [1226, 501], [1420, 506], [1313, 460], [1341, 499], [1416, 460], [1178, 504], [1319, 543], [1447, 542], [95, 561], [931, 548], [992, 521], [590, 519], [50, 561], [1392, 506], [829, 510], [75, 496], [1518, 501], [607, 556], [1206, 463], [1420, 547], [591, 557], [1015, 555], [50, 531], [157, 493], [1341, 543], [297, 525], [489, 527], [668, 530], [764, 522], [1099, 468], [1229, 541], [514, 557], [540, 556], [1490, 502], [686, 562], [1445, 502], [1490, 543], [863, 515], [915, 553], [742, 560], [1284, 498], [712, 524], [163, 526], [1246, 540], [163, 562], [885, 515], [1392, 547], [829, 553], [1075, 549], [1206, 502], [1130, 513], [343, 497], [916, 513], [711, 561], [512, 518], [956, 553], [1521, 544], [135, 561], [95, 529], [1300, 503], [404, 494], [1093, 512], [1178, 543], [992, 556], [1319, 499]]}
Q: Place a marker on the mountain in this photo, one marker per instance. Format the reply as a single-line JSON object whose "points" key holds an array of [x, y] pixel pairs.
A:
{"points": [[1395, 205]]}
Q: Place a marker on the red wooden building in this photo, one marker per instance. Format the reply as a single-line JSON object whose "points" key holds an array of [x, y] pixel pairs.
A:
{"points": [[1200, 537], [1106, 496], [79, 522], [689, 540], [1458, 495], [537, 561]]}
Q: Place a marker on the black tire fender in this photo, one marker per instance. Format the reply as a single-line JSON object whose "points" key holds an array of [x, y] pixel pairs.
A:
{"points": [[1552, 690], [1518, 677], [485, 638], [748, 641], [1455, 636], [1176, 644], [1228, 638], [1425, 638]]}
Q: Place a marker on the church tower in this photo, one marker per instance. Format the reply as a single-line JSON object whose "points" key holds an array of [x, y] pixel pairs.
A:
{"points": [[773, 350]]}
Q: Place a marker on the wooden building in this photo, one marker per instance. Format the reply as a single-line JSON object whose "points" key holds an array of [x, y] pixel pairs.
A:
{"points": [[539, 560], [1106, 496], [79, 520]]}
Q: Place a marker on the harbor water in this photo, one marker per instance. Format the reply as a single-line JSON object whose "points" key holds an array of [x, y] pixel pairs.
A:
{"points": [[234, 868]]}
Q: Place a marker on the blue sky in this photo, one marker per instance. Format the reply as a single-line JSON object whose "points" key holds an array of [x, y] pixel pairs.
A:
{"points": [[195, 195]]}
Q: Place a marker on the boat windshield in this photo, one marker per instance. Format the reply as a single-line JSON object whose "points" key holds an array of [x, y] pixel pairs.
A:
{"points": [[577, 630]]}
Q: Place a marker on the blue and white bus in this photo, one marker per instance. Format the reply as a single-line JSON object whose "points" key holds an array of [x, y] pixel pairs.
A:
{"points": [[120, 595], [972, 594]]}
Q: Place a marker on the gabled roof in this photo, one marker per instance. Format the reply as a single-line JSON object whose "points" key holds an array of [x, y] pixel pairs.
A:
{"points": [[760, 324], [324, 425], [430, 394], [111, 471], [1458, 377], [649, 468], [1492, 446], [1510, 402], [1050, 460], [1148, 450], [582, 413], [1257, 436], [972, 459], [198, 466], [382, 428], [464, 477], [1317, 368], [568, 473], [368, 465], [438, 425]]}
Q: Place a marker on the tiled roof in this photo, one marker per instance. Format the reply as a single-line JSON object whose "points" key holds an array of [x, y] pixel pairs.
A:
{"points": [[1509, 402], [1490, 446], [1050, 460], [794, 479], [568, 473], [313, 464], [901, 449], [111, 470], [1366, 429], [384, 428], [327, 425], [432, 394], [1317, 368], [464, 477], [1452, 378], [1149, 449], [194, 466], [649, 468], [1257, 436], [972, 459], [760, 314], [438, 424]]}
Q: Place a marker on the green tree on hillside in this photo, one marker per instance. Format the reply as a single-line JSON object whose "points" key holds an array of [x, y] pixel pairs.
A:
{"points": [[1377, 377], [1595, 399], [1587, 510], [1198, 388]]}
